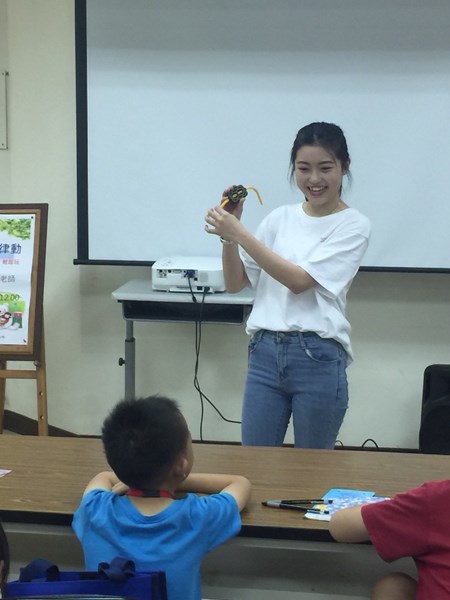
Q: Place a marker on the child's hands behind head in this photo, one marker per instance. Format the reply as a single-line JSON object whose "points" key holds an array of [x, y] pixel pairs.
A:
{"points": [[213, 483], [120, 488]]}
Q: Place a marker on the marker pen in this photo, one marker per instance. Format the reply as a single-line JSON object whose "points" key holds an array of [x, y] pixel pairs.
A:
{"points": [[285, 505]]}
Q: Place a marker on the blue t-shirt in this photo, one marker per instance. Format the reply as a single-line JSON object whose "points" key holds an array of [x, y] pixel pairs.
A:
{"points": [[174, 540]]}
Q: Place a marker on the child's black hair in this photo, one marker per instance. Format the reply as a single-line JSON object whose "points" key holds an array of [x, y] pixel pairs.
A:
{"points": [[143, 438]]}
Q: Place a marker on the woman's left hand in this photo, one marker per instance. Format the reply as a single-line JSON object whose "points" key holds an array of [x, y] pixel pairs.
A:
{"points": [[222, 223]]}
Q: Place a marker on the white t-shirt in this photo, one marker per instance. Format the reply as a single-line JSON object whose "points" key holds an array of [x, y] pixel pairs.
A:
{"points": [[330, 249]]}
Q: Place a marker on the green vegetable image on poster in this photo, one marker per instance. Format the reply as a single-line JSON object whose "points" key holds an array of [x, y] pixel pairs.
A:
{"points": [[20, 228]]}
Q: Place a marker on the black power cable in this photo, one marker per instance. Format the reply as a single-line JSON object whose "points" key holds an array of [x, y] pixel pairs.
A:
{"points": [[198, 342], [370, 440]]}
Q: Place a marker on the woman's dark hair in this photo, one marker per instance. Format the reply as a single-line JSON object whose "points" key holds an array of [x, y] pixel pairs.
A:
{"points": [[4, 556], [143, 438], [327, 135]]}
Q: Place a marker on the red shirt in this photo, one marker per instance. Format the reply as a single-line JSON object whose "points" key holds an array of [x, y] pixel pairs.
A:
{"points": [[416, 523]]}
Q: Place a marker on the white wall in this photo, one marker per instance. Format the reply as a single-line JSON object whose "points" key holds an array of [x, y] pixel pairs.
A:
{"points": [[401, 322], [4, 155]]}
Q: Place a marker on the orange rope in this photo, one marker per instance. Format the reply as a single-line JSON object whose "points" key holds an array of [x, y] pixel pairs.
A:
{"points": [[225, 200]]}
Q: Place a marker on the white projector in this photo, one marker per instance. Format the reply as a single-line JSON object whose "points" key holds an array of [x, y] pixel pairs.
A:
{"points": [[188, 273]]}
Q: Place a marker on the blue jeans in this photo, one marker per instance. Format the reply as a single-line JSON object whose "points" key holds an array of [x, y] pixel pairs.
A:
{"points": [[294, 373]]}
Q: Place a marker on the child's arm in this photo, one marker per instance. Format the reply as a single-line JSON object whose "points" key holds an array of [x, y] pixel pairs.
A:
{"points": [[104, 481], [347, 525], [209, 483]]}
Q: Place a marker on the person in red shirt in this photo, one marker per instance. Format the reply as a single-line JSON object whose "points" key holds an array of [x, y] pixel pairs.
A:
{"points": [[414, 523]]}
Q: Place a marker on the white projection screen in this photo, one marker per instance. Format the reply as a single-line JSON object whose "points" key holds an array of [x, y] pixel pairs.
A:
{"points": [[176, 100]]}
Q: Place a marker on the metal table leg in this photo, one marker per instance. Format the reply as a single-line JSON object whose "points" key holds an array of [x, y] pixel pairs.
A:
{"points": [[130, 361]]}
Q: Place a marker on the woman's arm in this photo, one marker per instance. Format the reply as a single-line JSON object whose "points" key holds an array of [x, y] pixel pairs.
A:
{"points": [[233, 269], [292, 276], [226, 225]]}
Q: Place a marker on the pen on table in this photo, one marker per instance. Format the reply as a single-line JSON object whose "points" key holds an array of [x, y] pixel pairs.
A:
{"points": [[290, 506], [304, 501]]}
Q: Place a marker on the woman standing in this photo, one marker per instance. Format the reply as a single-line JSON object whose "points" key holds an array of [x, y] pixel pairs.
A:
{"points": [[301, 262]]}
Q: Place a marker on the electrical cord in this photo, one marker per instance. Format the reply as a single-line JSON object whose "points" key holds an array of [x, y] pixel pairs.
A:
{"points": [[370, 440], [198, 341], [341, 445], [193, 296]]}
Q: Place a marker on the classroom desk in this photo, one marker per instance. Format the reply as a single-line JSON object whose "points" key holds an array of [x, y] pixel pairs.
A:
{"points": [[49, 473], [279, 554], [141, 303]]}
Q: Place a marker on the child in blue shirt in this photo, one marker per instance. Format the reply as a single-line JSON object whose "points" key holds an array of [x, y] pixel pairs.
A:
{"points": [[132, 511]]}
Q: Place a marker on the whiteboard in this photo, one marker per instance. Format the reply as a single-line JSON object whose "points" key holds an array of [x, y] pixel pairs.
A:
{"points": [[186, 98]]}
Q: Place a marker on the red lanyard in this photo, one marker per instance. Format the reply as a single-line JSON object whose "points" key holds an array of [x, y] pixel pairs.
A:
{"points": [[150, 493]]}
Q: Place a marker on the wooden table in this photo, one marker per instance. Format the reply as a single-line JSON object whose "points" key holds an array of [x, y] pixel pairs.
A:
{"points": [[279, 554], [49, 474]]}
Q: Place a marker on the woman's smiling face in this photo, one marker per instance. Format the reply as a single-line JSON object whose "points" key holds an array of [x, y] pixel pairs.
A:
{"points": [[319, 176]]}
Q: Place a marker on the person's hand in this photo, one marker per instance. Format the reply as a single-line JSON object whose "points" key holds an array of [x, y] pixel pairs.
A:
{"points": [[120, 489], [224, 224]]}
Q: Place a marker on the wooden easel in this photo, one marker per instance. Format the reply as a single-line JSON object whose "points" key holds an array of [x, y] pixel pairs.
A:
{"points": [[39, 374], [26, 222]]}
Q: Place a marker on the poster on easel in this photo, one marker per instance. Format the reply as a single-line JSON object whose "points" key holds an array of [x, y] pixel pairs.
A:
{"points": [[23, 230]]}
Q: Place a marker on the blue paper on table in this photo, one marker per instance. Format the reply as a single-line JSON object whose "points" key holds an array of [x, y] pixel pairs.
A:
{"points": [[342, 498]]}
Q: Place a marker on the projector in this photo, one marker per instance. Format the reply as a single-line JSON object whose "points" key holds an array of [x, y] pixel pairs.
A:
{"points": [[188, 273]]}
